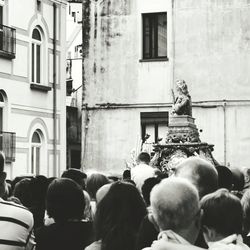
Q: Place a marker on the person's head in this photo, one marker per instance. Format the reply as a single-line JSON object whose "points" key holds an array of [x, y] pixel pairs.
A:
{"points": [[225, 177], [102, 191], [118, 216], [143, 157], [222, 215], [175, 206], [245, 202], [238, 179], [22, 191], [147, 187], [38, 186], [76, 175], [65, 200], [2, 161], [126, 174], [200, 172], [94, 182], [3, 187]]}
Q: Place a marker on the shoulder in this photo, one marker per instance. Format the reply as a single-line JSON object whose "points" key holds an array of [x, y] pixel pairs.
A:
{"points": [[94, 246]]}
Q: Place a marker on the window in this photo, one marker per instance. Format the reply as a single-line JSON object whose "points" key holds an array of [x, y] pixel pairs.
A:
{"points": [[36, 48], [154, 35], [35, 153], [7, 37], [2, 104], [153, 126]]}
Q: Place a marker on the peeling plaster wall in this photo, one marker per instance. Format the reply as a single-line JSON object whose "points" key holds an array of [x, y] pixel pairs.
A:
{"points": [[114, 74]]}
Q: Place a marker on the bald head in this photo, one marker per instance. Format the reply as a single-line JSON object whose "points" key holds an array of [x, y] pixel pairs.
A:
{"points": [[175, 205], [200, 172]]}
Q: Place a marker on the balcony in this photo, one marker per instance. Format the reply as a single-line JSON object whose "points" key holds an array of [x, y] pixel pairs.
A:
{"points": [[7, 42], [8, 145]]}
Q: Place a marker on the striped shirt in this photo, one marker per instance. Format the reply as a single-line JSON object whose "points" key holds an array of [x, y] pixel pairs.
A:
{"points": [[16, 224]]}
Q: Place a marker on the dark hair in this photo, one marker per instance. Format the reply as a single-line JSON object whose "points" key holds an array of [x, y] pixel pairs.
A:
{"points": [[144, 157], [245, 201], [2, 161], [118, 217], [126, 174], [222, 211], [225, 177], [147, 187], [76, 175], [22, 191], [65, 200], [94, 182], [238, 179]]}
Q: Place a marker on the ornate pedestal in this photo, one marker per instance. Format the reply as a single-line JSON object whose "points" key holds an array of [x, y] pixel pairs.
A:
{"points": [[182, 141]]}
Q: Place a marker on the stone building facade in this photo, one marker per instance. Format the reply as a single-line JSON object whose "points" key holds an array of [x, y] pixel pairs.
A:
{"points": [[133, 53], [32, 86]]}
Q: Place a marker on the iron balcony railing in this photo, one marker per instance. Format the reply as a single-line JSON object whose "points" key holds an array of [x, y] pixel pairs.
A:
{"points": [[8, 145], [7, 41]]}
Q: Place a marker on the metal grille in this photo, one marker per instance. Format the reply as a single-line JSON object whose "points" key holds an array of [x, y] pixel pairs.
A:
{"points": [[8, 145], [8, 40]]}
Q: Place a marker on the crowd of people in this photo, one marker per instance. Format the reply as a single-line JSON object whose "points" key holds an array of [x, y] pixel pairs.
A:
{"points": [[199, 206]]}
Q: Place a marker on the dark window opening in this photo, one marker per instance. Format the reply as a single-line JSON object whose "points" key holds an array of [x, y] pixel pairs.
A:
{"points": [[154, 35], [153, 126]]}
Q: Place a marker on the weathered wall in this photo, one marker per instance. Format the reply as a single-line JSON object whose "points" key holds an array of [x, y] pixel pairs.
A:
{"points": [[212, 54], [115, 74]]}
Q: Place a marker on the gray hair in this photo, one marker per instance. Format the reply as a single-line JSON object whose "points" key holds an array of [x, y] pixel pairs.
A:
{"points": [[200, 172], [175, 203]]}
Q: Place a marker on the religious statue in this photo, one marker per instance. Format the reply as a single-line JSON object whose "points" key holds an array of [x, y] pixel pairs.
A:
{"points": [[182, 103]]}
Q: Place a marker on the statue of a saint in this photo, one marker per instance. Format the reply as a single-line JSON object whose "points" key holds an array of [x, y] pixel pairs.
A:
{"points": [[182, 103]]}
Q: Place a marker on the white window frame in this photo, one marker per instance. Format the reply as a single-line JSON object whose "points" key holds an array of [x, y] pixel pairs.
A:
{"points": [[36, 43]]}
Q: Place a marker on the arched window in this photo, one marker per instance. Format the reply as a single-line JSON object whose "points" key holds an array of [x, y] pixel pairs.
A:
{"points": [[36, 144], [36, 52]]}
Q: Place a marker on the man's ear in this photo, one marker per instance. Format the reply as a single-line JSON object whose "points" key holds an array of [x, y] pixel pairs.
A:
{"points": [[2, 177]]}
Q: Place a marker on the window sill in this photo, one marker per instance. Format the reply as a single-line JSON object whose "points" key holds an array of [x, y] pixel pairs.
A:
{"points": [[160, 59], [7, 55], [40, 87]]}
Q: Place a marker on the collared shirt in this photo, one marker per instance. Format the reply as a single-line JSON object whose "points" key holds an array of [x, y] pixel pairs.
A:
{"points": [[16, 225], [169, 236], [231, 242], [173, 237]]}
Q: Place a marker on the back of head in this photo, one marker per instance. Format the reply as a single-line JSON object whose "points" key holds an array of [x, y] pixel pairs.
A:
{"points": [[222, 212], [118, 216], [3, 187], [245, 201], [2, 161], [22, 191], [94, 182], [200, 172], [225, 178], [147, 188], [238, 179], [65, 200], [76, 175], [175, 203], [126, 174], [144, 157]]}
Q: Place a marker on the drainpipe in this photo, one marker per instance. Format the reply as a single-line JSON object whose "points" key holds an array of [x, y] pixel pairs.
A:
{"points": [[85, 53], [173, 46], [54, 92], [225, 132]]}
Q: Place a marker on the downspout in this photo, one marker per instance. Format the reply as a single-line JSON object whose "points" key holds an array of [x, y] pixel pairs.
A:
{"points": [[173, 46], [54, 93], [85, 54], [225, 132]]}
